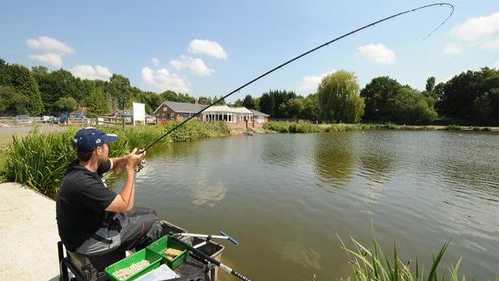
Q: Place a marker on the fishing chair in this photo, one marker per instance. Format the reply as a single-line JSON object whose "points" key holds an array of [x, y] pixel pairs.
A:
{"points": [[76, 267]]}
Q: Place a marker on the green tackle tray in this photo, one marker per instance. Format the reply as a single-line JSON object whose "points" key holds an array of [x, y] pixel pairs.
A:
{"points": [[163, 243], [144, 254]]}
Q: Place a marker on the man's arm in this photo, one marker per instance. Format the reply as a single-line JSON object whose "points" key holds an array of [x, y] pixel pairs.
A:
{"points": [[119, 163], [124, 201]]}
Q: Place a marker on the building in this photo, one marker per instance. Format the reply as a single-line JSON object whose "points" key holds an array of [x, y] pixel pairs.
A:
{"points": [[170, 110], [234, 117], [260, 118]]}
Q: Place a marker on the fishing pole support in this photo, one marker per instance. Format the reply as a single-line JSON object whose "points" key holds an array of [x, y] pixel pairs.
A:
{"points": [[208, 237]]}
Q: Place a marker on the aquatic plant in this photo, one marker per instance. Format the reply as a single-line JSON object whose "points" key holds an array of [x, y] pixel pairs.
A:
{"points": [[371, 264], [40, 160]]}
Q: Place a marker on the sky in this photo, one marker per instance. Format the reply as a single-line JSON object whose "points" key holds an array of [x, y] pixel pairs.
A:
{"points": [[208, 48]]}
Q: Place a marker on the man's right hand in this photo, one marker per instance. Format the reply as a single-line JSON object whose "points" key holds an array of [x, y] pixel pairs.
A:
{"points": [[133, 159]]}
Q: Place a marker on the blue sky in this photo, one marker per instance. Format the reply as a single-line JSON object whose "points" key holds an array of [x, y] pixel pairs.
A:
{"points": [[211, 47]]}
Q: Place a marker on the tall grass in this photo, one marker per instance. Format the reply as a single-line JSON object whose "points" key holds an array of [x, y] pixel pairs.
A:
{"points": [[40, 160], [371, 264]]}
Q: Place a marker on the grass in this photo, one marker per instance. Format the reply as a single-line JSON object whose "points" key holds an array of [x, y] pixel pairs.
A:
{"points": [[39, 160], [307, 127], [371, 264]]}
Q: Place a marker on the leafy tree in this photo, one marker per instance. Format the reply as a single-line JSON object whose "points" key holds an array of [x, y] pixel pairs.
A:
{"points": [[97, 102], [120, 91], [376, 95], [249, 102], [430, 84], [66, 104], [238, 103], [408, 106], [21, 79], [339, 98], [266, 103], [294, 107], [13, 102], [310, 108], [461, 92]]}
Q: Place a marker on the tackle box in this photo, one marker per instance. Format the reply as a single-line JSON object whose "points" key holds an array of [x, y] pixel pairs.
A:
{"points": [[159, 246], [144, 254]]}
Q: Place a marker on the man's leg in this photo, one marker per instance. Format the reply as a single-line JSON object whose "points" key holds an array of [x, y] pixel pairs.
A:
{"points": [[139, 227]]}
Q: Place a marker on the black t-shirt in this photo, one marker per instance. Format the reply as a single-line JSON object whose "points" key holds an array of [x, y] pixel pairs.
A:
{"points": [[81, 203]]}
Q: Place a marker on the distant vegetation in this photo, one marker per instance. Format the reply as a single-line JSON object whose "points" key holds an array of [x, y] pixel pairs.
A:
{"points": [[40, 160], [470, 98]]}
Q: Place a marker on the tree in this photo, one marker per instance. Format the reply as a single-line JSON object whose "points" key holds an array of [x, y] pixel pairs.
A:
{"points": [[13, 102], [311, 108], [376, 95], [294, 107], [430, 84], [21, 79], [464, 90], [408, 106], [56, 85], [339, 98], [248, 102], [120, 92], [97, 102], [266, 103], [66, 104]]}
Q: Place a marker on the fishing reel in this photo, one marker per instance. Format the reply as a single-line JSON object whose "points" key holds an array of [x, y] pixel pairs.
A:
{"points": [[142, 163]]}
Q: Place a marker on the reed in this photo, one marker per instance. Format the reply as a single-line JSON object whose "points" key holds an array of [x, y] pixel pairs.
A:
{"points": [[39, 161], [371, 264]]}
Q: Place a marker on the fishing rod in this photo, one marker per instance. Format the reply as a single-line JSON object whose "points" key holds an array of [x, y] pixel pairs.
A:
{"points": [[440, 4]]}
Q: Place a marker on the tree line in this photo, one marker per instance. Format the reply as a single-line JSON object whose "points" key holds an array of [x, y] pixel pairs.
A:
{"points": [[38, 91], [471, 97]]}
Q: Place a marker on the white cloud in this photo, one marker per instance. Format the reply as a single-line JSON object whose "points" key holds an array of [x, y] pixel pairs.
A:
{"points": [[155, 61], [207, 47], [195, 65], [497, 65], [377, 53], [46, 43], [311, 83], [48, 58], [491, 45], [162, 79], [90, 72], [477, 28], [452, 49]]}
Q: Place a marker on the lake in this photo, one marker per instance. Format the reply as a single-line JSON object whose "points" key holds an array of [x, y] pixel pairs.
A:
{"points": [[289, 198]]}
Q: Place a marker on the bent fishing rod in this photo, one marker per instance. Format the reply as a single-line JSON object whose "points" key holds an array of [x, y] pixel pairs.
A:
{"points": [[440, 4]]}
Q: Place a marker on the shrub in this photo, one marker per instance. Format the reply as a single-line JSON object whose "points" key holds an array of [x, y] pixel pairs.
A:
{"points": [[40, 160]]}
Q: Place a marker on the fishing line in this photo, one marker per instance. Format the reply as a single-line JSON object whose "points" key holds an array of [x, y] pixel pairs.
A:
{"points": [[445, 4]]}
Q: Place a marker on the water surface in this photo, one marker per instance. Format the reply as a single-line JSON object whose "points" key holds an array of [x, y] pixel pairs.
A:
{"points": [[288, 198]]}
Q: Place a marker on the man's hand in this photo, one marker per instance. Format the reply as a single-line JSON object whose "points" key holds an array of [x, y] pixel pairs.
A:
{"points": [[133, 159]]}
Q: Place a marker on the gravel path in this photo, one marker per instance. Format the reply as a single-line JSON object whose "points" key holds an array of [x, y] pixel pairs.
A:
{"points": [[28, 234]]}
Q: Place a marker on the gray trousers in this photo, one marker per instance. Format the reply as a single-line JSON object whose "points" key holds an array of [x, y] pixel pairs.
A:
{"points": [[131, 230]]}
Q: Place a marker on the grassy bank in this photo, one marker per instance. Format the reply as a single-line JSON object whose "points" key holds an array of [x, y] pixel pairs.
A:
{"points": [[40, 160], [307, 127]]}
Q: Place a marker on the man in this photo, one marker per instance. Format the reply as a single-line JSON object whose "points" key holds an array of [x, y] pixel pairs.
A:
{"points": [[93, 220]]}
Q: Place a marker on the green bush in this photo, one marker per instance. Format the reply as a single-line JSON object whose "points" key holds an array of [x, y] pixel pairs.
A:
{"points": [[292, 127], [40, 160]]}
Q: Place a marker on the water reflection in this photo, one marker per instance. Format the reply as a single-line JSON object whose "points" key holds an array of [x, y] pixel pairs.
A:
{"points": [[207, 194], [334, 160], [302, 255], [376, 166]]}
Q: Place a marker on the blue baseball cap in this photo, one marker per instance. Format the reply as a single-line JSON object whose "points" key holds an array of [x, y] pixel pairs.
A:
{"points": [[87, 139]]}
